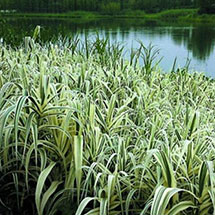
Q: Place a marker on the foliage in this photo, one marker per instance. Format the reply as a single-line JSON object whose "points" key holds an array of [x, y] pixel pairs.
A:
{"points": [[174, 14], [111, 6], [84, 131], [207, 6]]}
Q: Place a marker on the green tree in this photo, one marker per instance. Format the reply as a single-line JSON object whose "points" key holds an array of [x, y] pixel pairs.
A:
{"points": [[207, 6]]}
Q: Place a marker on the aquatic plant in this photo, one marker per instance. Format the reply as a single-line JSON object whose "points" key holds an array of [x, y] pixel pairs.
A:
{"points": [[83, 131]]}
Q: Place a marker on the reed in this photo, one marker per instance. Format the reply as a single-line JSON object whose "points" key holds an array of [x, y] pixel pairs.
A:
{"points": [[83, 131]]}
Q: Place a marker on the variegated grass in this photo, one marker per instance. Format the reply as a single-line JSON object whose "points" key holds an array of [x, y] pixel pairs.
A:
{"points": [[83, 131]]}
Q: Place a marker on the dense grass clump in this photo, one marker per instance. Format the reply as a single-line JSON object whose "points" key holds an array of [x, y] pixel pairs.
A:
{"points": [[83, 131]]}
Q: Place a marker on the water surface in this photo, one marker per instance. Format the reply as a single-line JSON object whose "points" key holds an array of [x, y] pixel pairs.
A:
{"points": [[195, 42]]}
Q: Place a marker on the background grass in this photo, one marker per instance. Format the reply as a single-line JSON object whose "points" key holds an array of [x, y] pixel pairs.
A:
{"points": [[185, 15]]}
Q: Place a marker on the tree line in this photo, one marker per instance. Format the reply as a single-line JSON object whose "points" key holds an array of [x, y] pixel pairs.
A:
{"points": [[106, 6]]}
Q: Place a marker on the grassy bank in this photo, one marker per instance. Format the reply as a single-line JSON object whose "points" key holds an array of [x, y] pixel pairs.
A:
{"points": [[84, 132], [189, 15]]}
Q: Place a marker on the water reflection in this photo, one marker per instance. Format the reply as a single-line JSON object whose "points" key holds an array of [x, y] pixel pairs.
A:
{"points": [[199, 40], [196, 41]]}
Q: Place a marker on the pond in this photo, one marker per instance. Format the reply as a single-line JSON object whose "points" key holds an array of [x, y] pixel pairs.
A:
{"points": [[193, 42]]}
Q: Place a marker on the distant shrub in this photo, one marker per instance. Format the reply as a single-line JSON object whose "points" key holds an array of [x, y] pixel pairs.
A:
{"points": [[110, 8], [207, 9], [177, 13]]}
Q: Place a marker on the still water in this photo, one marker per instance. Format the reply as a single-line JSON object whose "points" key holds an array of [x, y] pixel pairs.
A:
{"points": [[194, 42]]}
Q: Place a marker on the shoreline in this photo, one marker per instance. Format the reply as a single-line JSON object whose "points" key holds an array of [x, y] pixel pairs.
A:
{"points": [[184, 15]]}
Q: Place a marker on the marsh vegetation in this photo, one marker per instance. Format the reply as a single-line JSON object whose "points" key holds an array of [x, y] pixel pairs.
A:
{"points": [[83, 131]]}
